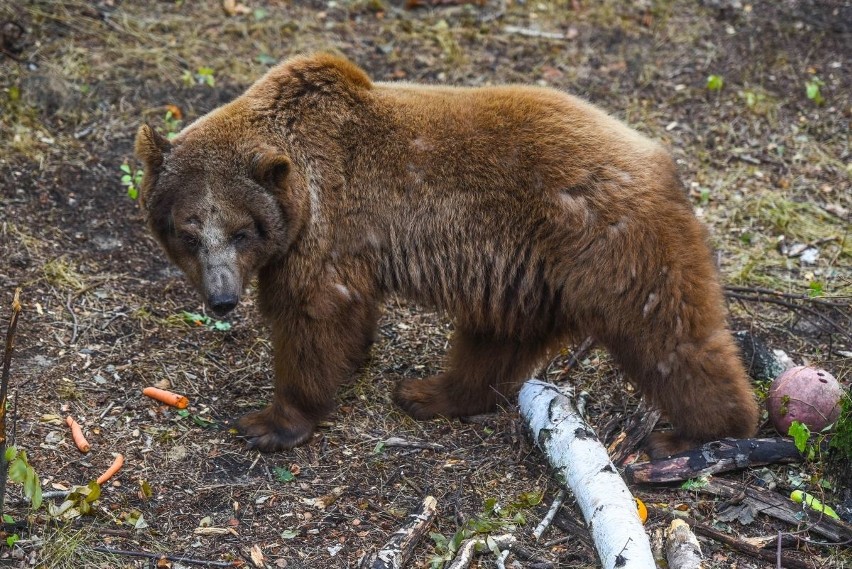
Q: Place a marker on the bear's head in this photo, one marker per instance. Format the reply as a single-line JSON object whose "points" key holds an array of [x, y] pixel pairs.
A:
{"points": [[221, 207]]}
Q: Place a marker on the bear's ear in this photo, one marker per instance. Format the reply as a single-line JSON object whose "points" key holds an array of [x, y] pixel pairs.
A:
{"points": [[271, 170], [151, 147]]}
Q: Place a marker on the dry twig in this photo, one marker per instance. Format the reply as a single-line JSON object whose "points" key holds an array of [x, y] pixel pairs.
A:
{"points": [[397, 552], [4, 390]]}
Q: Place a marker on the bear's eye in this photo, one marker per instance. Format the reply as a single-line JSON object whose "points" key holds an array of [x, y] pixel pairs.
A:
{"points": [[189, 240], [240, 237]]}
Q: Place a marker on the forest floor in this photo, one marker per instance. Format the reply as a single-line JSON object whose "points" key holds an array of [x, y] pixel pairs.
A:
{"points": [[763, 149]]}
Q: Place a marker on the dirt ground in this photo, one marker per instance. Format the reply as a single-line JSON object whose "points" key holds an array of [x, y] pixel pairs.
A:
{"points": [[766, 159]]}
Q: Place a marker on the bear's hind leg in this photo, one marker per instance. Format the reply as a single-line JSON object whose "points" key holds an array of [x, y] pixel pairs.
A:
{"points": [[685, 361], [483, 372]]}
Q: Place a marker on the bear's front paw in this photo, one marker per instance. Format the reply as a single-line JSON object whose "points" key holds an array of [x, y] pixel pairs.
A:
{"points": [[270, 430], [423, 399]]}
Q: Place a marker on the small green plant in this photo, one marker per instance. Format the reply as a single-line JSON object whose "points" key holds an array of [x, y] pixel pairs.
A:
{"points": [[173, 124], [12, 539], [78, 503], [202, 76], [801, 435], [812, 90], [131, 179], [19, 470], [815, 289], [842, 439], [494, 517], [715, 83], [283, 474], [202, 320], [197, 419], [694, 484]]}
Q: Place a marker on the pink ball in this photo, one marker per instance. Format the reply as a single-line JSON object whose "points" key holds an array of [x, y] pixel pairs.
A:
{"points": [[805, 394]]}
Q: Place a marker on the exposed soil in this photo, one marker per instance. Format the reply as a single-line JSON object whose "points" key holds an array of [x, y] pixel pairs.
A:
{"points": [[768, 169]]}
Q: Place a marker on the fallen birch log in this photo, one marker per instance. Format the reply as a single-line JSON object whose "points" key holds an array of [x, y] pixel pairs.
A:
{"points": [[398, 550], [583, 466], [713, 458], [682, 548]]}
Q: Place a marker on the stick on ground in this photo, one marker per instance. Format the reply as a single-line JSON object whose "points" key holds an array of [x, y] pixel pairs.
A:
{"points": [[713, 458], [548, 518], [468, 548], [398, 550], [4, 390], [682, 548]]}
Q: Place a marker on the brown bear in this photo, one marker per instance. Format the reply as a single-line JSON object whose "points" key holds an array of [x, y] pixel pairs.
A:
{"points": [[526, 214]]}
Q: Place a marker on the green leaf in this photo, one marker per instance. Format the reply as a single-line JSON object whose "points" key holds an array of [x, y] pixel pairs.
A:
{"points": [[283, 474], [260, 14], [456, 541], [8, 519], [694, 484], [715, 83], [800, 433], [222, 326], [289, 533], [812, 90], [201, 421], [439, 539], [91, 491], [12, 539], [266, 59], [36, 495], [489, 505], [132, 193], [815, 289], [18, 470], [531, 498], [10, 454], [193, 318], [125, 168]]}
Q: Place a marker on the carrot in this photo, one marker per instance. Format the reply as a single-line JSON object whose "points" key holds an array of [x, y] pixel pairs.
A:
{"points": [[641, 510], [115, 467], [166, 397], [77, 434]]}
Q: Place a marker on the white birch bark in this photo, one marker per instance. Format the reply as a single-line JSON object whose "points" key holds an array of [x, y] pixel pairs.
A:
{"points": [[582, 466]]}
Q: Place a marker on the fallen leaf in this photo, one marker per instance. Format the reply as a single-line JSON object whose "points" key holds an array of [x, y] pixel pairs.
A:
{"points": [[256, 556]]}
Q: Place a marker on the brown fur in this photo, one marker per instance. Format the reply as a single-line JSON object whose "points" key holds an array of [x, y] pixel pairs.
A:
{"points": [[528, 215]]}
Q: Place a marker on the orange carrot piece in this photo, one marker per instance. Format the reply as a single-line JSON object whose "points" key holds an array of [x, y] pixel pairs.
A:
{"points": [[115, 467], [166, 397], [77, 434], [642, 510]]}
